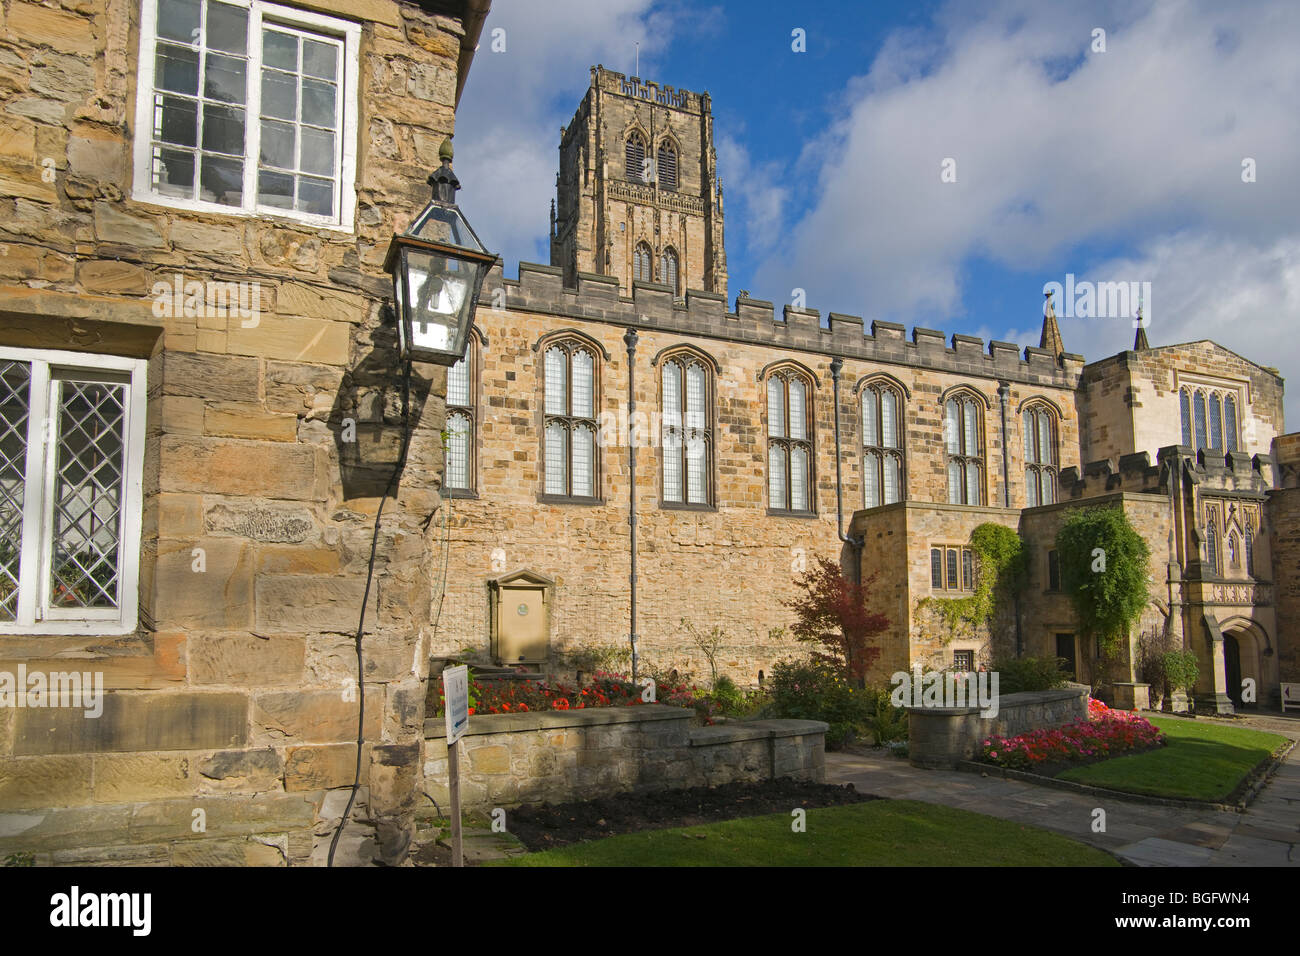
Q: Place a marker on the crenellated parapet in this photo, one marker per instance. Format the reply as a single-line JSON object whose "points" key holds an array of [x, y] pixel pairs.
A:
{"points": [[1208, 470], [597, 298]]}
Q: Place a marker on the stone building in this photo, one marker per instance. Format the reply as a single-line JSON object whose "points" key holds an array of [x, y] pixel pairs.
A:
{"points": [[736, 466], [198, 413], [638, 191]]}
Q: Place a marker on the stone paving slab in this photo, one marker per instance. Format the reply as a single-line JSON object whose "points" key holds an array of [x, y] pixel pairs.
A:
{"points": [[1157, 851]]}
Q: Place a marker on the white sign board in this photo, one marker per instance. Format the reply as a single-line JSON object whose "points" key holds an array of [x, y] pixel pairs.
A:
{"points": [[455, 692], [1290, 697]]}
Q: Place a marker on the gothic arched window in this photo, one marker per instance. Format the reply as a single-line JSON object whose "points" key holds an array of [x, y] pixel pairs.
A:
{"points": [[1230, 422], [1250, 549], [1040, 455], [641, 258], [687, 397], [882, 445], [635, 156], [570, 454], [789, 441], [963, 431], [1185, 406], [461, 438], [668, 270], [1199, 415], [1209, 419], [1232, 550], [667, 165]]}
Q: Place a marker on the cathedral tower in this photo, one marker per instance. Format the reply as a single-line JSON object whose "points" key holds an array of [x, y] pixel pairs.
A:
{"points": [[638, 192]]}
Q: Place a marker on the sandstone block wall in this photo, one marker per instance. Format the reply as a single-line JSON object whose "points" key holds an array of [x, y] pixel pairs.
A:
{"points": [[512, 759], [941, 737], [235, 695], [732, 564]]}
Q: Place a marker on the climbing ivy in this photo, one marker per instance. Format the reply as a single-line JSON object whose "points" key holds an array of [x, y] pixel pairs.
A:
{"points": [[1105, 569], [1001, 567]]}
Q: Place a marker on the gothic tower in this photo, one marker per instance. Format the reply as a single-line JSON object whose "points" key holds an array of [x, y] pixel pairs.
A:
{"points": [[638, 191]]}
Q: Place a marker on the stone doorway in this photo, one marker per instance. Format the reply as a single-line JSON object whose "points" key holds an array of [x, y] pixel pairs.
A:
{"points": [[1232, 668]]}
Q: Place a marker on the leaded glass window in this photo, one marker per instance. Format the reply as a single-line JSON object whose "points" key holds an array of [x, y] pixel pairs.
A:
{"points": [[570, 457]]}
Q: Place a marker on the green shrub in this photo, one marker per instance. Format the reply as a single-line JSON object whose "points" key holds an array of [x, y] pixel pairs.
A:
{"points": [[1019, 674], [817, 690], [1180, 670], [732, 701], [887, 722]]}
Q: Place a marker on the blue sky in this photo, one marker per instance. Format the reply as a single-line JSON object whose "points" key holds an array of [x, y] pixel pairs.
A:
{"points": [[1122, 164]]}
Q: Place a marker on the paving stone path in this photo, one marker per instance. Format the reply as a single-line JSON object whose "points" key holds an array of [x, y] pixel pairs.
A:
{"points": [[1267, 834]]}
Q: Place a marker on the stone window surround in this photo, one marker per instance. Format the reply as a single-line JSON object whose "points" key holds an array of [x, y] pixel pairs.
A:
{"points": [[124, 619], [684, 356], [1207, 395], [1045, 465], [570, 340], [474, 359], [963, 395], [786, 371], [964, 579], [348, 32], [881, 382]]}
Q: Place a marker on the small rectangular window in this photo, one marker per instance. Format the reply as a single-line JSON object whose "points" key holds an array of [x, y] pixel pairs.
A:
{"points": [[952, 569], [936, 568], [1053, 571], [963, 660], [967, 570]]}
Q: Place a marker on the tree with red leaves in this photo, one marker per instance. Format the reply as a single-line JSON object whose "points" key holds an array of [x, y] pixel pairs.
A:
{"points": [[832, 611]]}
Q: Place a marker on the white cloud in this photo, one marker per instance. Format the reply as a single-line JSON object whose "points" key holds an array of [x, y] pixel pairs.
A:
{"points": [[1245, 295], [1060, 150], [516, 101]]}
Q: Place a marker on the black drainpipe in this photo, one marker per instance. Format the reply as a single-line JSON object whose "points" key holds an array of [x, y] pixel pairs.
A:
{"points": [[855, 544]]}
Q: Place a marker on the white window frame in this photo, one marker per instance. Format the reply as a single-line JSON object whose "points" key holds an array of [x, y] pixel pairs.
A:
{"points": [[34, 615], [348, 32]]}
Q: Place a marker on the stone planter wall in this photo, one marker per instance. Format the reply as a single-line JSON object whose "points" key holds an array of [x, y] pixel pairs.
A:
{"points": [[941, 737], [556, 756]]}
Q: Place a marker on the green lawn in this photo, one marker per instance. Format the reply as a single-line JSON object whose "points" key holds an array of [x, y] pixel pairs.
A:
{"points": [[877, 833], [1202, 761]]}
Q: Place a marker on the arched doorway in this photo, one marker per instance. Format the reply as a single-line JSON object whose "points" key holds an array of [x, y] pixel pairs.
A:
{"points": [[1232, 668], [1245, 646]]}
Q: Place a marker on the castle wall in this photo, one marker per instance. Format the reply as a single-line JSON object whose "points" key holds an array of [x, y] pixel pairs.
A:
{"points": [[733, 564]]}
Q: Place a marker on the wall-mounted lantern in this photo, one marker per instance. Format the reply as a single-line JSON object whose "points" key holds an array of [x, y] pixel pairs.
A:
{"points": [[438, 267]]}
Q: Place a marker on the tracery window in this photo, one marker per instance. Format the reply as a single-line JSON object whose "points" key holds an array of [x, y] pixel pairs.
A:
{"points": [[789, 441], [882, 444], [570, 454], [963, 428]]}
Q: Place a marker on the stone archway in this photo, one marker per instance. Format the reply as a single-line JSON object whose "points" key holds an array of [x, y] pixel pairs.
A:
{"points": [[1244, 647]]}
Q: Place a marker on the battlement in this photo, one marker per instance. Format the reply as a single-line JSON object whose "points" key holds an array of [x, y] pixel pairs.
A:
{"points": [[635, 87], [1213, 470], [596, 298]]}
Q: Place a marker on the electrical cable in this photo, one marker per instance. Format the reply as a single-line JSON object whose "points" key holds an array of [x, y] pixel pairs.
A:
{"points": [[365, 599]]}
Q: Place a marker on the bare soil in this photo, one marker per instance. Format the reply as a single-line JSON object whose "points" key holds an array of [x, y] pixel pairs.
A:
{"points": [[545, 827]]}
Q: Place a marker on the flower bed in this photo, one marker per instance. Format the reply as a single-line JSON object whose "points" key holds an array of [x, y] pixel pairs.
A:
{"points": [[603, 690], [1106, 733]]}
